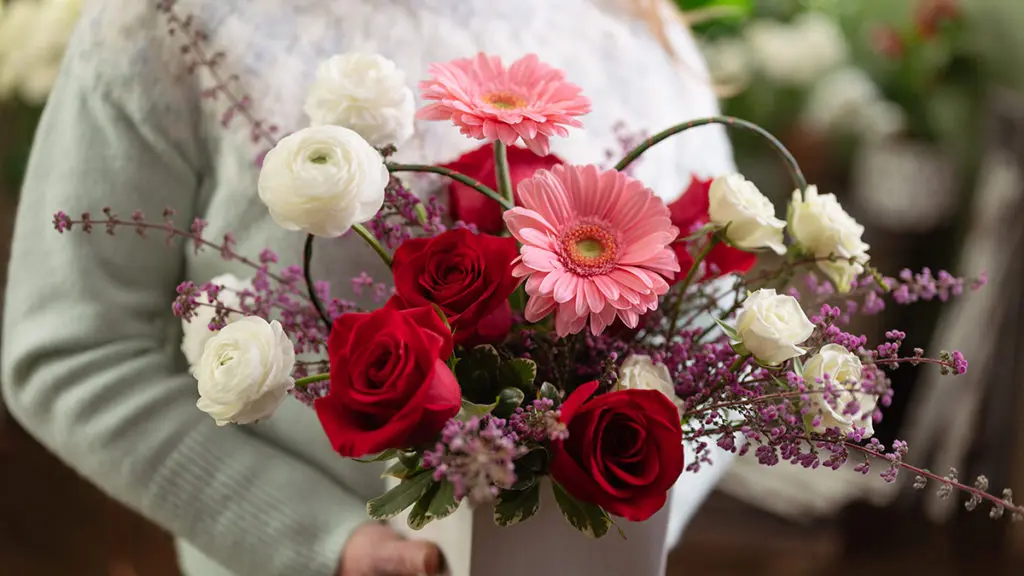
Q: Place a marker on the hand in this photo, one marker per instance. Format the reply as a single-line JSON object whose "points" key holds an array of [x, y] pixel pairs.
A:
{"points": [[377, 550]]}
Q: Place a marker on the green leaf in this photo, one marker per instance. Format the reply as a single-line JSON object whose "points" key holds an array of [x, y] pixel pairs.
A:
{"points": [[514, 506], [438, 502], [469, 409], [395, 501], [519, 373], [477, 373], [798, 367], [518, 298], [410, 459], [388, 454], [508, 400], [444, 317], [585, 517], [397, 470], [549, 391], [729, 330]]}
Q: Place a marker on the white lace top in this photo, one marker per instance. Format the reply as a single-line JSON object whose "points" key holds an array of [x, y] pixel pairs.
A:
{"points": [[91, 364]]}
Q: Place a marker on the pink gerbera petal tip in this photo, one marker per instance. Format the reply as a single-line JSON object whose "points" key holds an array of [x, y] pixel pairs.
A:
{"points": [[529, 100], [596, 247]]}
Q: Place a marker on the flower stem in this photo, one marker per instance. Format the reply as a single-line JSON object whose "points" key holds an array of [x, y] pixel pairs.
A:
{"points": [[372, 241], [674, 318], [501, 171], [787, 156], [303, 382], [307, 259], [458, 177]]}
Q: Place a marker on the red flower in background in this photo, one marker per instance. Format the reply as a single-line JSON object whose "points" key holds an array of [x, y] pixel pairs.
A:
{"points": [[888, 42], [930, 15], [689, 213], [473, 207]]}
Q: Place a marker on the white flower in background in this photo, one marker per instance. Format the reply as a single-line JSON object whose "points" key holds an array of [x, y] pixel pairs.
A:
{"points": [[245, 371], [197, 331], [772, 326], [639, 372], [366, 93], [322, 180], [848, 101], [728, 62], [33, 37], [843, 369], [750, 215], [799, 52], [820, 226]]}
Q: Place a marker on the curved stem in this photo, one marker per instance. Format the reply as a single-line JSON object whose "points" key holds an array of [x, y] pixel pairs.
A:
{"points": [[501, 171], [373, 242], [303, 382], [458, 177], [787, 156], [674, 318], [307, 259]]}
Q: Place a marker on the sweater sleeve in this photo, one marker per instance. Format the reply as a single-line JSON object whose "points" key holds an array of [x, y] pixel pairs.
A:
{"points": [[91, 365]]}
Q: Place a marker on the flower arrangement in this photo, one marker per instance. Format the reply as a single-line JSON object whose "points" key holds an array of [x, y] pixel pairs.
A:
{"points": [[597, 336]]}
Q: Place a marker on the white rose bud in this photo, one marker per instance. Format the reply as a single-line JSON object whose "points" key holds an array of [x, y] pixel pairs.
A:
{"points": [[844, 372], [639, 372], [736, 202], [245, 371], [322, 180], [366, 93], [820, 226], [772, 326], [196, 332]]}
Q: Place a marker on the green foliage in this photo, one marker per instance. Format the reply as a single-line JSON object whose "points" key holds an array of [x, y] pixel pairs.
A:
{"points": [[395, 501], [485, 376], [589, 519], [436, 503], [514, 506]]}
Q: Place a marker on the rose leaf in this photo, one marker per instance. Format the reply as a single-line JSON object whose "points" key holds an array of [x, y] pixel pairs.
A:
{"points": [[514, 506], [589, 519], [395, 501]]}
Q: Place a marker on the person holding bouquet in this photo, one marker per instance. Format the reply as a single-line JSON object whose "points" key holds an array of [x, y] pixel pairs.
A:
{"points": [[167, 103]]}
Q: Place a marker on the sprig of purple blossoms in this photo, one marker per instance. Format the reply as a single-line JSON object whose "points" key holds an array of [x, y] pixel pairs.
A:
{"points": [[477, 456]]}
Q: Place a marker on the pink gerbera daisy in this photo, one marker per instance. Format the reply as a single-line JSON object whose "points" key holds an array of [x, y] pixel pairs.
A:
{"points": [[596, 245], [529, 100]]}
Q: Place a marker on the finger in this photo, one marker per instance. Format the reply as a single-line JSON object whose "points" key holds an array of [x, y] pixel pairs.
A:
{"points": [[408, 558]]}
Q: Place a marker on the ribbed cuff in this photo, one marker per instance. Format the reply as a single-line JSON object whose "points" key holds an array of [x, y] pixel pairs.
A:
{"points": [[250, 507]]}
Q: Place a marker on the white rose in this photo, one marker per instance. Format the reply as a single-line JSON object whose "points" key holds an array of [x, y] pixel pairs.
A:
{"points": [[639, 372], [736, 202], [366, 93], [844, 371], [245, 371], [820, 225], [322, 180], [772, 326], [197, 331]]}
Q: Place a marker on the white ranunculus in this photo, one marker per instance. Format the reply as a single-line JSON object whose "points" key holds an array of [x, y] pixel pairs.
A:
{"points": [[245, 371], [844, 372], [639, 372], [197, 331], [820, 226], [322, 180], [772, 326], [366, 93], [736, 202]]}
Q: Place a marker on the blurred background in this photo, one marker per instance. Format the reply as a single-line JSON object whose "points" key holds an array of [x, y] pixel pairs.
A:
{"points": [[912, 111]]}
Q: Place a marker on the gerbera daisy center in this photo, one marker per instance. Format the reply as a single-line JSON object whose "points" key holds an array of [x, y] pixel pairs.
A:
{"points": [[588, 249], [505, 100]]}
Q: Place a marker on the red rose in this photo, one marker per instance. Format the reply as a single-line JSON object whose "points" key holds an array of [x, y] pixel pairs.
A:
{"points": [[473, 207], [624, 451], [690, 213], [390, 385], [468, 276]]}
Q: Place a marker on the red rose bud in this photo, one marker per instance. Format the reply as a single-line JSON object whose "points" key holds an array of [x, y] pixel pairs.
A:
{"points": [[468, 276], [689, 213], [624, 451], [932, 14], [473, 207], [390, 384]]}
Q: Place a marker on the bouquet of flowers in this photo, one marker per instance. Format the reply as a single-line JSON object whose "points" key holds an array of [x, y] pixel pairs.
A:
{"points": [[595, 335]]}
